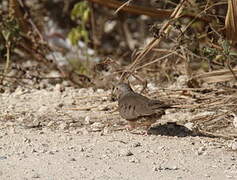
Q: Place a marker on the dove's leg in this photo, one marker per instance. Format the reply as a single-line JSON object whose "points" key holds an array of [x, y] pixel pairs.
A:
{"points": [[131, 125], [148, 122], [135, 127]]}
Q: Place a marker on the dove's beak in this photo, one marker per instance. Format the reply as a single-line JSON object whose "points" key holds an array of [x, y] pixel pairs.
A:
{"points": [[114, 93]]}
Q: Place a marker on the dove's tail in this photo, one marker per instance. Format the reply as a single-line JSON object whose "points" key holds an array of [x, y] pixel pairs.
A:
{"points": [[159, 104]]}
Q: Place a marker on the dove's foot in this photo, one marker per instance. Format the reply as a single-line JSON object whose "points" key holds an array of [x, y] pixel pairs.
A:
{"points": [[135, 128], [131, 125]]}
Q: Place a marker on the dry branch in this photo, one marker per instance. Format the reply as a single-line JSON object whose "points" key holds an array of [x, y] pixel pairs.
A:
{"points": [[216, 76], [231, 21], [161, 14]]}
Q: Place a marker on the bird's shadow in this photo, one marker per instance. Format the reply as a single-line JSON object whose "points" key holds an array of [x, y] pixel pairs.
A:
{"points": [[173, 129]]}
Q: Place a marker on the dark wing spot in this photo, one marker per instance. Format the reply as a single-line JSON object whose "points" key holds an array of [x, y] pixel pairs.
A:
{"points": [[134, 108]]}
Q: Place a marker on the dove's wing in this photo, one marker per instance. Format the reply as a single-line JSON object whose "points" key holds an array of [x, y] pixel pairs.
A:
{"points": [[157, 104], [133, 106]]}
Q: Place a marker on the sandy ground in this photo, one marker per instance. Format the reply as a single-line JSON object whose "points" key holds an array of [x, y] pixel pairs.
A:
{"points": [[43, 137]]}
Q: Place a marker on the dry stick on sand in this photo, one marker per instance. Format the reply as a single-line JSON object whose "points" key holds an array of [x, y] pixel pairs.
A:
{"points": [[216, 76], [93, 96], [213, 134], [86, 108]]}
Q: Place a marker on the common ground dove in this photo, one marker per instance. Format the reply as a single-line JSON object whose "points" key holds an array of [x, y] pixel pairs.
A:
{"points": [[137, 109]]}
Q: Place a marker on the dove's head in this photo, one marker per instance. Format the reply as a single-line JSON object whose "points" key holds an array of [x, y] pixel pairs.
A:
{"points": [[122, 88]]}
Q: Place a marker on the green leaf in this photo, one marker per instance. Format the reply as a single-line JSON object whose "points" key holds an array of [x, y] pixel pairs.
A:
{"points": [[80, 10]]}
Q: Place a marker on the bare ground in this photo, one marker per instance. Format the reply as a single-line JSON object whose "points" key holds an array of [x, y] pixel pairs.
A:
{"points": [[67, 133]]}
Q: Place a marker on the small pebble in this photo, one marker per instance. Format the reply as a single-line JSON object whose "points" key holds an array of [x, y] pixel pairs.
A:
{"points": [[201, 150], [100, 90], [125, 152], [235, 120], [63, 126], [81, 149], [97, 126], [72, 159], [59, 88], [234, 146], [60, 105], [133, 160], [50, 123], [136, 144], [189, 125], [36, 176], [88, 120], [87, 155], [71, 147], [83, 169], [155, 169], [33, 151], [168, 168], [51, 152]]}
